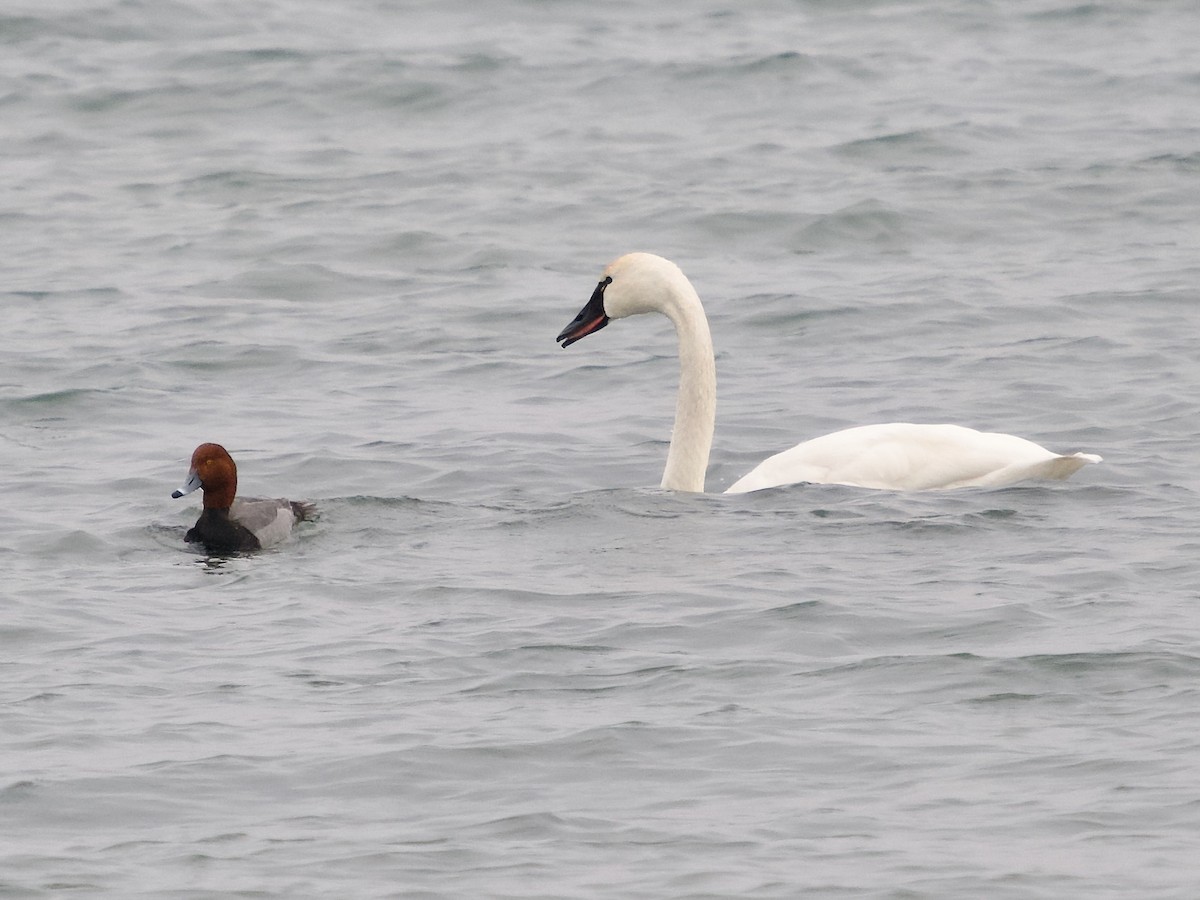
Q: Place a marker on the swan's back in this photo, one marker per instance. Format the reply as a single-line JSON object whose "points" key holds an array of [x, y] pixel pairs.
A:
{"points": [[904, 457]]}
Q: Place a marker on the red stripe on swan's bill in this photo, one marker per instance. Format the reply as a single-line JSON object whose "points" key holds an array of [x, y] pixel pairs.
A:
{"points": [[591, 318]]}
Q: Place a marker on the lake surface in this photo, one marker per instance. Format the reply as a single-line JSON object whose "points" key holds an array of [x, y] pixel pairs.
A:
{"points": [[339, 239]]}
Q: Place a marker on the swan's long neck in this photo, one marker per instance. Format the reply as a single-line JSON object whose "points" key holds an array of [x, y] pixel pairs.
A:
{"points": [[696, 406]]}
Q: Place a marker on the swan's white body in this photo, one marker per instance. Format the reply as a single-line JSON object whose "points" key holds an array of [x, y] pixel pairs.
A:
{"points": [[903, 457], [896, 456]]}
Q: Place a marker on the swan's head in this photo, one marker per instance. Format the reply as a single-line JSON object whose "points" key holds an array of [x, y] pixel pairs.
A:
{"points": [[632, 284]]}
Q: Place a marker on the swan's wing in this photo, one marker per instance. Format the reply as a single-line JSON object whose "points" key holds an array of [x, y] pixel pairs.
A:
{"points": [[1057, 468], [270, 521], [904, 457]]}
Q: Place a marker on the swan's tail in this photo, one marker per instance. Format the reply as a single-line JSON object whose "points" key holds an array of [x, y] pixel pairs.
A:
{"points": [[1063, 466]]}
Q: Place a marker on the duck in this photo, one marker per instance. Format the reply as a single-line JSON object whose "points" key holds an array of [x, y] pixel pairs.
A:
{"points": [[229, 525], [896, 456]]}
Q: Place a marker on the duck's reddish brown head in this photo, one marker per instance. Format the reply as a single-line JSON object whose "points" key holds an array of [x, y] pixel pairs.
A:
{"points": [[213, 470]]}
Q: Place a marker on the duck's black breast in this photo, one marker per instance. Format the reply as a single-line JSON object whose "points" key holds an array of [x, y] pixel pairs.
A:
{"points": [[220, 534]]}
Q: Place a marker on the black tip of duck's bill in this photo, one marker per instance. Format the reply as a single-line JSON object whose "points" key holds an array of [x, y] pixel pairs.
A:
{"points": [[193, 483], [591, 318]]}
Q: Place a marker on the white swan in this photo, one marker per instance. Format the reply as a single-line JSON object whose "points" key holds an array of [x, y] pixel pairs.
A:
{"points": [[896, 456]]}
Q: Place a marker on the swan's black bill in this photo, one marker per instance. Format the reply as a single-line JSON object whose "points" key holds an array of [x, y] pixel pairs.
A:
{"points": [[591, 318]]}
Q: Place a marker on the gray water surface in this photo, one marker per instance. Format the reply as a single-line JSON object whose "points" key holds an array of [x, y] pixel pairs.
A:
{"points": [[340, 239]]}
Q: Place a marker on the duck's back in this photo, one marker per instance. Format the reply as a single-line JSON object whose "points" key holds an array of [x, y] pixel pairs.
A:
{"points": [[270, 520]]}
